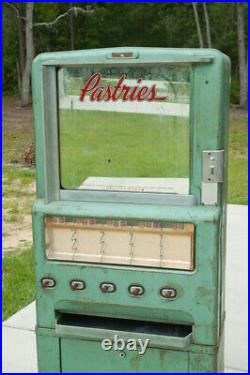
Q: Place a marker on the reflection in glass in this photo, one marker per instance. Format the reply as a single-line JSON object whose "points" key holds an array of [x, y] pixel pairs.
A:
{"points": [[135, 145]]}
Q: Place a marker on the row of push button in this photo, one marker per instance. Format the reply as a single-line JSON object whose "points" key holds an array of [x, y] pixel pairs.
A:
{"points": [[134, 290]]}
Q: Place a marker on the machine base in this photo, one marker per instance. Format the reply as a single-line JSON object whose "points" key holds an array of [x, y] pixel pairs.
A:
{"points": [[71, 354]]}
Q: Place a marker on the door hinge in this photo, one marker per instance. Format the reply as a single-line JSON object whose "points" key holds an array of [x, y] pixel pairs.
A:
{"points": [[213, 166]]}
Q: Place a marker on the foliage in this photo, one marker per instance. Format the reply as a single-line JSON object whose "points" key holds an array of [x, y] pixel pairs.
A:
{"points": [[123, 24], [10, 53], [235, 88]]}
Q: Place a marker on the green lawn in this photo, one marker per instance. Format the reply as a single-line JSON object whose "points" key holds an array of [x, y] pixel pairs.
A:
{"points": [[114, 144], [18, 288], [237, 160], [25, 175]]}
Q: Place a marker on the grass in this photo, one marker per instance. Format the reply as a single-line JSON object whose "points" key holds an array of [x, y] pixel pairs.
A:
{"points": [[18, 288], [16, 192], [13, 218], [121, 145], [25, 175], [237, 161], [17, 267]]}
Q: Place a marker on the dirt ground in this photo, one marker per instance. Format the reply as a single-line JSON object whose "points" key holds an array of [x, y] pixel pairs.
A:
{"points": [[14, 116], [17, 130], [16, 235]]}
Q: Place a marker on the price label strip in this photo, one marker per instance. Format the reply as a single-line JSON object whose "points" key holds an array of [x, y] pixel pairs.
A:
{"points": [[123, 242]]}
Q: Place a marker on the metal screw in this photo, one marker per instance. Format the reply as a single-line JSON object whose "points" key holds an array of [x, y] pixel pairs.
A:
{"points": [[122, 355]]}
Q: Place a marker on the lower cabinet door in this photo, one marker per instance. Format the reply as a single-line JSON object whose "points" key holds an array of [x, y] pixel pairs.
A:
{"points": [[88, 356]]}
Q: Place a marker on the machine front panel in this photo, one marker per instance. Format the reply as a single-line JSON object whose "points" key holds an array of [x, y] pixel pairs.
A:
{"points": [[83, 359], [191, 288]]}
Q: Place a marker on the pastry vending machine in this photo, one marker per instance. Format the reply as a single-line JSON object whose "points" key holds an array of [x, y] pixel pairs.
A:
{"points": [[130, 215]]}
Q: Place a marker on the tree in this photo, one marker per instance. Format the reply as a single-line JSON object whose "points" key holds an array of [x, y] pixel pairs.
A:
{"points": [[25, 88], [29, 42], [71, 28], [21, 37], [121, 24], [208, 31], [242, 56], [198, 27]]}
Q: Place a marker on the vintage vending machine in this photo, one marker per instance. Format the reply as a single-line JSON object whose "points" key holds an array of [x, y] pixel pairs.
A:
{"points": [[129, 220]]}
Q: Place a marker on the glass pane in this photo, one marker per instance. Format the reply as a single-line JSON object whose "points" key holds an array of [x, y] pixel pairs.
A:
{"points": [[125, 128], [124, 242]]}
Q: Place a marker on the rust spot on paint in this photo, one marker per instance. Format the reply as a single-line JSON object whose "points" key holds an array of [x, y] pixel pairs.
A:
{"points": [[202, 292], [162, 356], [135, 360]]}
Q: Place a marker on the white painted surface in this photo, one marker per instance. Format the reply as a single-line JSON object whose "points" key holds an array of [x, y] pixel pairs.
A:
{"points": [[18, 351], [24, 319], [19, 348], [236, 288]]}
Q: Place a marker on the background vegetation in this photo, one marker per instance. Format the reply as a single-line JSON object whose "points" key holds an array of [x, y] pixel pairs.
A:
{"points": [[102, 24]]}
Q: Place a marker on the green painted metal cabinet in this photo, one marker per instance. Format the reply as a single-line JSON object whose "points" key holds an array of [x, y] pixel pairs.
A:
{"points": [[129, 220]]}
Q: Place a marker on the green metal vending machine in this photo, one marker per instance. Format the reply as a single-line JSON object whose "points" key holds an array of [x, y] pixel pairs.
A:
{"points": [[130, 216]]}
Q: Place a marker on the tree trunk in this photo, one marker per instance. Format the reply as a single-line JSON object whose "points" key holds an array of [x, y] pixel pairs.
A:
{"points": [[21, 37], [208, 31], [71, 27], [19, 84], [242, 56], [198, 27], [25, 98]]}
